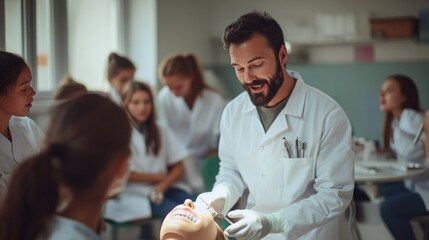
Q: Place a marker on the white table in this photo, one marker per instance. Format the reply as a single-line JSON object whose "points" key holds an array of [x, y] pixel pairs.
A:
{"points": [[370, 173]]}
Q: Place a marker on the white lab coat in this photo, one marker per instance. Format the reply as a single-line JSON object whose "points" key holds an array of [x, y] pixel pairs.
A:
{"points": [[197, 128], [69, 229], [115, 97], [312, 191], [27, 139], [404, 131], [133, 202]]}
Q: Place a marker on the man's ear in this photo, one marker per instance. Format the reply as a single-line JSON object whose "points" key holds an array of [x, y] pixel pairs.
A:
{"points": [[283, 55]]}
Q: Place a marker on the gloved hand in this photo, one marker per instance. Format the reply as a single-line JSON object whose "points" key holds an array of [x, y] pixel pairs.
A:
{"points": [[215, 200], [254, 225]]}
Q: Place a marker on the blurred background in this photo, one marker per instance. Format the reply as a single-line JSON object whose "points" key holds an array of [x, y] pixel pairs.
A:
{"points": [[346, 48]]}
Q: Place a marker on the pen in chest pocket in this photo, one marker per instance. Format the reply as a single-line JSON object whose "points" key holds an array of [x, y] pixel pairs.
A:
{"points": [[287, 147]]}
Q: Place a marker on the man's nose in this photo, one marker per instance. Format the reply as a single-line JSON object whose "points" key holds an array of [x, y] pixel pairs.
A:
{"points": [[248, 76]]}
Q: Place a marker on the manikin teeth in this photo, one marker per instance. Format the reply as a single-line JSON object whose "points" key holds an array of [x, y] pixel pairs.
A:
{"points": [[186, 215]]}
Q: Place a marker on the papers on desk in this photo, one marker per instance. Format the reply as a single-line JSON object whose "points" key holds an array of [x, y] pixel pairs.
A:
{"points": [[373, 169]]}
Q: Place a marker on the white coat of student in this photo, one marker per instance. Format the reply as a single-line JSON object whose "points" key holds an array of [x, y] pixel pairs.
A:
{"points": [[191, 109], [20, 136], [60, 192], [292, 195], [120, 71], [154, 187]]}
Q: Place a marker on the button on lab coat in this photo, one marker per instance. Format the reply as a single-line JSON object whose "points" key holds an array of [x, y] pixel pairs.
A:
{"points": [[311, 191], [27, 139]]}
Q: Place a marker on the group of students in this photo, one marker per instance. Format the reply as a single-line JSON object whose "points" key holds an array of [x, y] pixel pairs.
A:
{"points": [[109, 157], [78, 164]]}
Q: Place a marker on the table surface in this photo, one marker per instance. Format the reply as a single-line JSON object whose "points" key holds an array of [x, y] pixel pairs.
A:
{"points": [[385, 171]]}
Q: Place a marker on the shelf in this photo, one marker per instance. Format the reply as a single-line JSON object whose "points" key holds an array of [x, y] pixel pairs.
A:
{"points": [[349, 41]]}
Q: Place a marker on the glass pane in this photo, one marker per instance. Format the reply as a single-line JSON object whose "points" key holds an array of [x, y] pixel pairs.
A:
{"points": [[45, 81], [13, 28]]}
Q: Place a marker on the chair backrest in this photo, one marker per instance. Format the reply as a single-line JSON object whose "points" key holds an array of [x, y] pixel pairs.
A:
{"points": [[210, 170]]}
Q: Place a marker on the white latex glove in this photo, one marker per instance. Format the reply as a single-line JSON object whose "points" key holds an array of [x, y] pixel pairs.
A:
{"points": [[215, 200], [254, 225]]}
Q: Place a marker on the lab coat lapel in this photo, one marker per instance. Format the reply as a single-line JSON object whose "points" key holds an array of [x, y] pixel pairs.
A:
{"points": [[293, 108], [277, 127], [17, 148]]}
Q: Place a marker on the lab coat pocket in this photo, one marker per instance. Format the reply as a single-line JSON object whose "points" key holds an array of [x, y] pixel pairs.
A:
{"points": [[298, 175]]}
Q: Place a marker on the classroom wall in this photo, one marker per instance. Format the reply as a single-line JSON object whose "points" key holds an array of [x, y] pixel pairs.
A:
{"points": [[197, 26], [354, 86]]}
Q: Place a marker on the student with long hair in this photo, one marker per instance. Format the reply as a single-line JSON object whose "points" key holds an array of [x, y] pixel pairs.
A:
{"points": [[20, 136], [191, 109], [399, 99], [120, 71], [154, 186], [60, 193]]}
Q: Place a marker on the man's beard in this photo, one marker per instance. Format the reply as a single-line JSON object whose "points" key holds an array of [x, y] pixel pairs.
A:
{"points": [[274, 84]]}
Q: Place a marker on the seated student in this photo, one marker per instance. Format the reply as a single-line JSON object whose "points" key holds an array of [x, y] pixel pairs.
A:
{"points": [[190, 221], [191, 109], [60, 193], [399, 99], [153, 187], [20, 137], [69, 88]]}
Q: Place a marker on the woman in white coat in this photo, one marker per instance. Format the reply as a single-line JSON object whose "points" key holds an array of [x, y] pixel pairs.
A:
{"points": [[154, 186], [399, 99], [20, 136], [192, 110], [120, 71]]}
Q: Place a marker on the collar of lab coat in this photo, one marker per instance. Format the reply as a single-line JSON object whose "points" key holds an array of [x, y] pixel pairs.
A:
{"points": [[295, 104]]}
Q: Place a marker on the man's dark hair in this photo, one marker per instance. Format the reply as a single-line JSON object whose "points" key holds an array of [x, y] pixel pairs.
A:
{"points": [[254, 22]]}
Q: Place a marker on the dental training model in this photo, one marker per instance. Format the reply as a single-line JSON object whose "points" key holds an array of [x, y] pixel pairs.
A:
{"points": [[190, 221]]}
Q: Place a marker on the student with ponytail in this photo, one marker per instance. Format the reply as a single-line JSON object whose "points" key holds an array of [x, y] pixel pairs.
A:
{"points": [[191, 109], [120, 71], [60, 193]]}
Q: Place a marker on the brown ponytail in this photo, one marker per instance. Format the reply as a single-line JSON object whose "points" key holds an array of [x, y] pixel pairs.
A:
{"points": [[86, 135], [32, 199]]}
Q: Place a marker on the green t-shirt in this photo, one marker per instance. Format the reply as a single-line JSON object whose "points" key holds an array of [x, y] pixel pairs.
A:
{"points": [[268, 115]]}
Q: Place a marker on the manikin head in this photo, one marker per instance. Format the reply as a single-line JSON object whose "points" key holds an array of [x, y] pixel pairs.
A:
{"points": [[190, 221]]}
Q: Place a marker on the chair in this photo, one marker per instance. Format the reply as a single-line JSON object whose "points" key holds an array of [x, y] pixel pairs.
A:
{"points": [[424, 222], [210, 170]]}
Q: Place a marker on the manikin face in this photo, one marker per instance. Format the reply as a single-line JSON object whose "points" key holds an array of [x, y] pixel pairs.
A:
{"points": [[18, 99], [189, 222], [123, 77], [391, 98], [257, 68], [179, 85], [140, 106]]}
